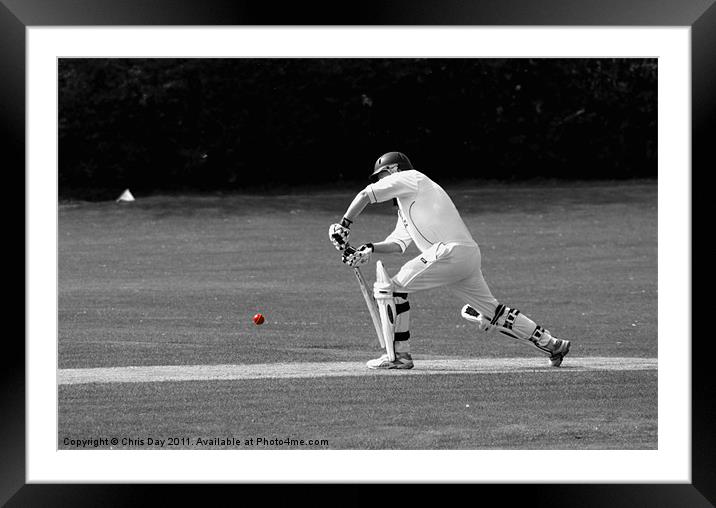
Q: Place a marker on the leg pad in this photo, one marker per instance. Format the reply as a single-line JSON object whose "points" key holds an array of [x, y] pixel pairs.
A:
{"points": [[512, 322], [383, 293]]}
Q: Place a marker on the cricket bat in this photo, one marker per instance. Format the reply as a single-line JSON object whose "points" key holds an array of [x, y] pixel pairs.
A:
{"points": [[372, 307]]}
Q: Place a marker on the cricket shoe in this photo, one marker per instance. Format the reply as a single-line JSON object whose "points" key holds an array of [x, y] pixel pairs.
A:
{"points": [[558, 351], [402, 361]]}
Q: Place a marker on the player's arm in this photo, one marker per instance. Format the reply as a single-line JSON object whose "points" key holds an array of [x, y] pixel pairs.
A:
{"points": [[356, 256], [357, 206], [396, 242], [390, 187], [387, 248], [339, 232], [399, 239]]}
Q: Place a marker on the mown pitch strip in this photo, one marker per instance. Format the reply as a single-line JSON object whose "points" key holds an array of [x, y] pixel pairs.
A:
{"points": [[161, 373]]}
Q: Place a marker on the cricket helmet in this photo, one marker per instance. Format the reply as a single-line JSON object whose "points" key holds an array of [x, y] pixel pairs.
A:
{"points": [[391, 161]]}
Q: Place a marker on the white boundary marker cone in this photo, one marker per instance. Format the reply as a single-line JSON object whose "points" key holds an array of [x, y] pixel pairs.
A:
{"points": [[126, 197]]}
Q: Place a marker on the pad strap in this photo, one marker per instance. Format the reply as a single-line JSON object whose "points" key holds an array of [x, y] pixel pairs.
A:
{"points": [[510, 319], [400, 336], [536, 336], [499, 311]]}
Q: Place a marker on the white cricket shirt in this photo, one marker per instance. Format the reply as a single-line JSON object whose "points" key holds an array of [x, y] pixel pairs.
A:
{"points": [[426, 214]]}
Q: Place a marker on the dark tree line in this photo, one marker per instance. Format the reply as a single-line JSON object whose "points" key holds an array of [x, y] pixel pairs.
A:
{"points": [[229, 124]]}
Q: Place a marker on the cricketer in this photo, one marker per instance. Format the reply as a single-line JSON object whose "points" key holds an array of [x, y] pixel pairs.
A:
{"points": [[449, 256]]}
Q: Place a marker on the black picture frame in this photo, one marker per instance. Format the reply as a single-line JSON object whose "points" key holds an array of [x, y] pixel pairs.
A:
{"points": [[700, 15]]}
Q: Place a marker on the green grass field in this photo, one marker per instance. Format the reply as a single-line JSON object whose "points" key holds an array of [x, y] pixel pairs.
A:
{"points": [[172, 280]]}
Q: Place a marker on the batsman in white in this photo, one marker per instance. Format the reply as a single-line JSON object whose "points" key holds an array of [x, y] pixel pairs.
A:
{"points": [[449, 256]]}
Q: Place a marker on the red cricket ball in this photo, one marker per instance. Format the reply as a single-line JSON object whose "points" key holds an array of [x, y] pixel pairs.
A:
{"points": [[258, 318]]}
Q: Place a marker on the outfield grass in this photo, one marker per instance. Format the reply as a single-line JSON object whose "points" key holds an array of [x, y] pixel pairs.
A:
{"points": [[510, 411], [175, 280]]}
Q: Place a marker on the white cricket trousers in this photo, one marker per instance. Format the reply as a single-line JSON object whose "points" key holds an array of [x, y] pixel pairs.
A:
{"points": [[456, 266]]}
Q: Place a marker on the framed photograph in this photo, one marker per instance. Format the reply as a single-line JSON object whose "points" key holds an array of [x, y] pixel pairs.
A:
{"points": [[218, 290]]}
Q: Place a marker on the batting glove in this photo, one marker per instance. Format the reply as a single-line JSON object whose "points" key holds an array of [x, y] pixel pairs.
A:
{"points": [[339, 233], [355, 257]]}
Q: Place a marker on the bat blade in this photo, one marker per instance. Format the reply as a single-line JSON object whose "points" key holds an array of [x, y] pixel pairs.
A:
{"points": [[372, 307]]}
